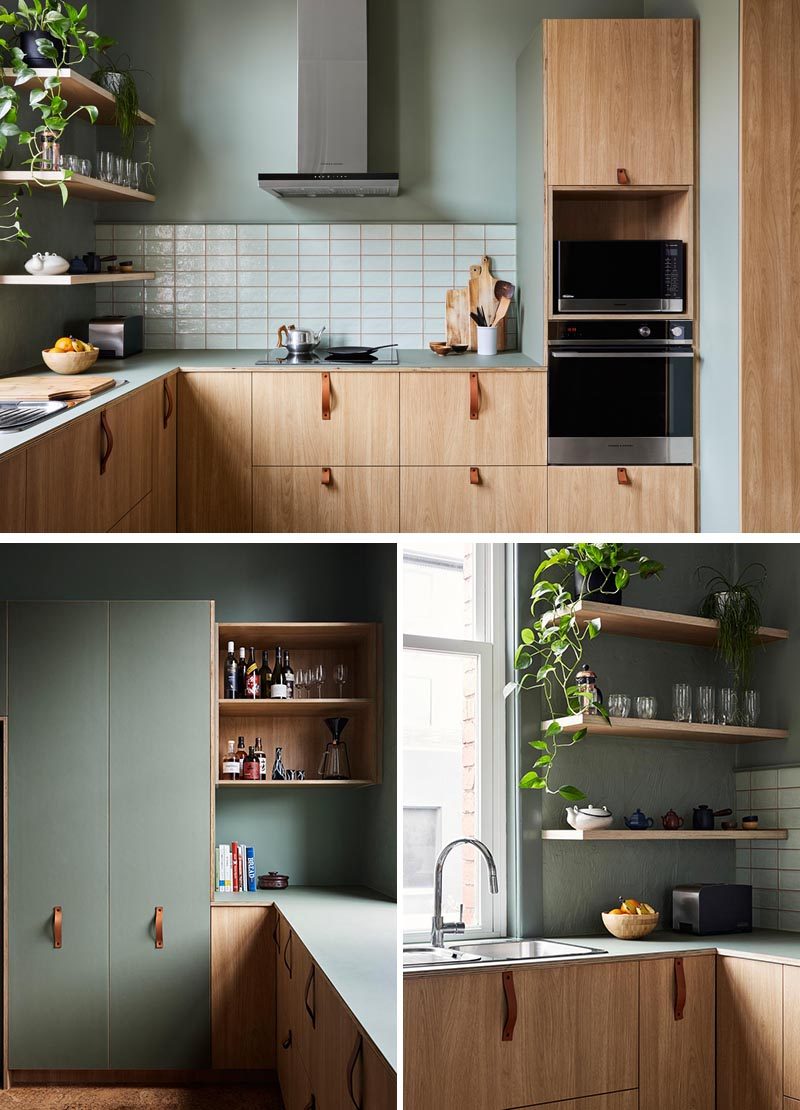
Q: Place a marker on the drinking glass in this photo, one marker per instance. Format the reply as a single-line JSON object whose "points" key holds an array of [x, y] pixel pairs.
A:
{"points": [[85, 167], [751, 708], [135, 175], [705, 704], [319, 678], [105, 169], [727, 706], [619, 705], [340, 675], [128, 164], [119, 169], [646, 707], [681, 702]]}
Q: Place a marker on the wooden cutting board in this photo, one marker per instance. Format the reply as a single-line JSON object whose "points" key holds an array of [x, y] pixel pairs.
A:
{"points": [[53, 387], [457, 316], [481, 292]]}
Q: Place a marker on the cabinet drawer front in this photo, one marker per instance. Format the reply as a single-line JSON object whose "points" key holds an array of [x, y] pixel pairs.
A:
{"points": [[361, 430], [749, 1034], [591, 498], [355, 499], [445, 499], [620, 1100], [140, 519], [64, 484], [436, 426], [128, 476]]}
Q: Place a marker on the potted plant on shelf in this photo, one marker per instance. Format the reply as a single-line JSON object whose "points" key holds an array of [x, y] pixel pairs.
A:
{"points": [[736, 607], [117, 77], [551, 652]]}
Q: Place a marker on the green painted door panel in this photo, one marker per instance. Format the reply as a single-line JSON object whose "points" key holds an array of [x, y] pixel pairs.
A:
{"points": [[160, 788], [58, 834]]}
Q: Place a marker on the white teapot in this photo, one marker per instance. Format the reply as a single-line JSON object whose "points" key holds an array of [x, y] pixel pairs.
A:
{"points": [[47, 263], [589, 817]]}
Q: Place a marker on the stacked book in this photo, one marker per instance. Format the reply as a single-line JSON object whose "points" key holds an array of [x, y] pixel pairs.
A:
{"points": [[235, 868]]}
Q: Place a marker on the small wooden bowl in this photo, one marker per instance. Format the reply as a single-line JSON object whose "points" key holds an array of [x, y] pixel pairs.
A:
{"points": [[70, 362], [625, 926], [443, 349]]}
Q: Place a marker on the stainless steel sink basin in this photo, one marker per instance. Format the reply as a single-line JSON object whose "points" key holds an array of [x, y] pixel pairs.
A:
{"points": [[525, 949], [425, 955]]}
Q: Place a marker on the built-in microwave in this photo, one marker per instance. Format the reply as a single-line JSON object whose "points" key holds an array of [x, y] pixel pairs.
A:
{"points": [[619, 275]]}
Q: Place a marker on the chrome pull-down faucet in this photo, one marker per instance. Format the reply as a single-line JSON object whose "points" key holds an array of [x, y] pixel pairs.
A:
{"points": [[440, 927]]}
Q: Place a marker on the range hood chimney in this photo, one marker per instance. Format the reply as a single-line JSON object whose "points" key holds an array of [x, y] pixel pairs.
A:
{"points": [[332, 107]]}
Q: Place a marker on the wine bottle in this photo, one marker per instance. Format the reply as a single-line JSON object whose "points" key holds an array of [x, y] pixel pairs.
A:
{"points": [[251, 770], [241, 670], [252, 687], [289, 673], [278, 687], [241, 752], [230, 764], [231, 674], [265, 674], [262, 759]]}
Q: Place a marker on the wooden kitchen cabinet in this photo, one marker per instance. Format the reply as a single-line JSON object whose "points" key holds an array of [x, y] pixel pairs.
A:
{"points": [[473, 419], [290, 427], [318, 499], [349, 1071], [215, 452], [593, 499], [749, 1034], [164, 511], [791, 1031], [619, 94], [243, 987], [129, 447], [676, 1055], [456, 499], [140, 519], [620, 1100], [12, 493]]}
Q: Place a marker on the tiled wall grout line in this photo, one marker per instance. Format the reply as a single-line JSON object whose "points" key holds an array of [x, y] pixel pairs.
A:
{"points": [[773, 868]]}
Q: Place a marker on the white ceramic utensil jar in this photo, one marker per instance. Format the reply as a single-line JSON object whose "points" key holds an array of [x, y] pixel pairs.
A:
{"points": [[487, 341]]}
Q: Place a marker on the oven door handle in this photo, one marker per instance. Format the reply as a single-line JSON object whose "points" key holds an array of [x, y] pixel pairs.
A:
{"points": [[621, 354]]}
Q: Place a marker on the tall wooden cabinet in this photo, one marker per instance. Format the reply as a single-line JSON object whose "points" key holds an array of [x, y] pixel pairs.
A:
{"points": [[749, 1034], [108, 823]]}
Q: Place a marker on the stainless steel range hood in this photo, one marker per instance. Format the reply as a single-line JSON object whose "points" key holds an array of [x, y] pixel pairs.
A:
{"points": [[332, 107]]}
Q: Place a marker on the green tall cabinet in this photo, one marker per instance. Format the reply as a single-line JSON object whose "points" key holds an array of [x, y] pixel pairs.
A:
{"points": [[109, 819]]}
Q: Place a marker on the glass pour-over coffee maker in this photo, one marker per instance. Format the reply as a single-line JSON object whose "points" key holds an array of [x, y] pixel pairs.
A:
{"points": [[335, 763]]}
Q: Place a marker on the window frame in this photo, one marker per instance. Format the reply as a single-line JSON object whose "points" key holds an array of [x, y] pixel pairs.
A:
{"points": [[490, 648]]}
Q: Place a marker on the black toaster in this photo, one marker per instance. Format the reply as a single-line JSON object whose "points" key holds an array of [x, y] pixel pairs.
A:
{"points": [[707, 908]]}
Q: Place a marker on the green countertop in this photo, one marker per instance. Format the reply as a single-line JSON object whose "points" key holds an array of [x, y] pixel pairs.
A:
{"points": [[140, 370], [352, 935]]}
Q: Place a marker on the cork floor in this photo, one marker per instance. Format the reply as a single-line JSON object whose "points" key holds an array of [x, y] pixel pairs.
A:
{"points": [[141, 1098]]}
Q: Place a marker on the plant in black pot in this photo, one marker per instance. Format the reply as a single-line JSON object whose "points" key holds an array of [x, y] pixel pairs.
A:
{"points": [[551, 653], [51, 34], [735, 605]]}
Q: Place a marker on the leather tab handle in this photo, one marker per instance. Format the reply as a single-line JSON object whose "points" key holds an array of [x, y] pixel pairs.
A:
{"points": [[680, 988], [159, 926], [57, 915], [511, 1006], [327, 476], [623, 478], [169, 401], [351, 1067], [109, 442], [276, 933], [312, 978], [326, 396], [474, 476], [287, 1044], [287, 954], [622, 176], [474, 396]]}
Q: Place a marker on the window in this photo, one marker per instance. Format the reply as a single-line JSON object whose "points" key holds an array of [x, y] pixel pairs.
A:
{"points": [[453, 732]]}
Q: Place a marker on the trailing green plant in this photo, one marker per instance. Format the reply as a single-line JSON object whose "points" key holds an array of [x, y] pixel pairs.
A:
{"points": [[66, 41], [118, 78], [736, 607], [552, 646]]}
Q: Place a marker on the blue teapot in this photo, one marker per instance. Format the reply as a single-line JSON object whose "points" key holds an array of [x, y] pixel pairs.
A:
{"points": [[638, 820]]}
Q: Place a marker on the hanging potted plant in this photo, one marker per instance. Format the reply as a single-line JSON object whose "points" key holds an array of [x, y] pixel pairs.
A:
{"points": [[735, 606], [552, 648], [117, 77]]}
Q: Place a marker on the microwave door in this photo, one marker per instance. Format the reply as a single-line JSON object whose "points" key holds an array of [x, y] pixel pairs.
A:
{"points": [[613, 276]]}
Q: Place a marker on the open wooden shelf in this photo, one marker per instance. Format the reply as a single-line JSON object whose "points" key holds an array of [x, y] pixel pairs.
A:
{"points": [[292, 707], [77, 89], [268, 783], [71, 279], [84, 188], [649, 624], [635, 728], [664, 834]]}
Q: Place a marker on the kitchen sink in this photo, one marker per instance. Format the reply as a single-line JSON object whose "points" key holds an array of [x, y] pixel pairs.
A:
{"points": [[426, 955], [525, 949]]}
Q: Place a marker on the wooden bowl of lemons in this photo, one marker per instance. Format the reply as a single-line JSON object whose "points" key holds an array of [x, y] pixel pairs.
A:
{"points": [[631, 920], [70, 356]]}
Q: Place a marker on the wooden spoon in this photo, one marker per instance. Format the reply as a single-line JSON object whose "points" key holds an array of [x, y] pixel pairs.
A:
{"points": [[504, 293]]}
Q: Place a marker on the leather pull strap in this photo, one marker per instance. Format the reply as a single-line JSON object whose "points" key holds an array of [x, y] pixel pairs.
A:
{"points": [[287, 954], [169, 402], [680, 989], [623, 478], [159, 926], [109, 447], [511, 1006], [474, 396], [327, 477], [326, 396], [474, 476], [57, 915], [312, 979], [351, 1067], [276, 932], [287, 1044], [622, 177]]}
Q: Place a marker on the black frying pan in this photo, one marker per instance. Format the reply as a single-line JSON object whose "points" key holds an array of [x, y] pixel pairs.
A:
{"points": [[355, 352]]}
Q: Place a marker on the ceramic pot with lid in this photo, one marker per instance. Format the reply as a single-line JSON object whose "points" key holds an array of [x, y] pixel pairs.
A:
{"points": [[703, 816], [638, 820], [299, 341], [671, 820], [273, 881], [589, 817]]}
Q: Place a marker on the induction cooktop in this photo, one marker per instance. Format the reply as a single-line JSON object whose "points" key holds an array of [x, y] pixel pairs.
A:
{"points": [[279, 356]]}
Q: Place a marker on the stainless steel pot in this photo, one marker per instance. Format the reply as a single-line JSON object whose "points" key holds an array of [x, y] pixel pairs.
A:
{"points": [[299, 341]]}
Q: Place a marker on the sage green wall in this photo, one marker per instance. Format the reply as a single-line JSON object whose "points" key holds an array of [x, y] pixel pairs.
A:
{"points": [[346, 837]]}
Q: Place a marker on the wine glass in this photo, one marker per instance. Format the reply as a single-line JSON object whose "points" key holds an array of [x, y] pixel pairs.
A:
{"points": [[341, 677], [319, 678]]}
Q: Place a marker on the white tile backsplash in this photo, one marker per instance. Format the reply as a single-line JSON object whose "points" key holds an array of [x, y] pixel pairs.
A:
{"points": [[227, 285], [773, 794]]}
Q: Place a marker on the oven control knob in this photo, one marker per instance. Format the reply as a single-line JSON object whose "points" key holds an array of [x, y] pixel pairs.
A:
{"points": [[676, 331], [644, 331]]}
